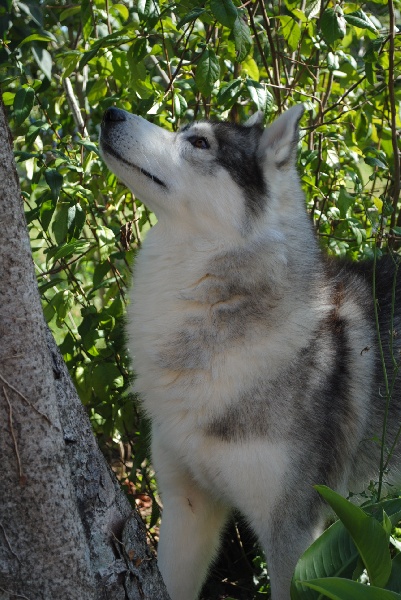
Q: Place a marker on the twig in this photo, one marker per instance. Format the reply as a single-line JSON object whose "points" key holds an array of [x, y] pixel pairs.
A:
{"points": [[24, 398], [74, 106], [349, 90], [10, 421], [8, 544], [161, 72], [276, 70], [178, 67], [261, 52]]}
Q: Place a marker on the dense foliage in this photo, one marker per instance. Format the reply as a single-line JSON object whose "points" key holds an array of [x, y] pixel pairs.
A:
{"points": [[63, 63]]}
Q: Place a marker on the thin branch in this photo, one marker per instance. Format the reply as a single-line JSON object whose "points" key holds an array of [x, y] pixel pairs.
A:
{"points": [[276, 69], [24, 398], [74, 106], [10, 422], [8, 544], [349, 90], [161, 71], [259, 45]]}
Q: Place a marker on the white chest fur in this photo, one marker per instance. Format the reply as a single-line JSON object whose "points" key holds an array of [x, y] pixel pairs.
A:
{"points": [[203, 329]]}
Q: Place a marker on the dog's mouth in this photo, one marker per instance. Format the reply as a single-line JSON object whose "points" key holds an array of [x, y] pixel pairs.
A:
{"points": [[110, 150]]}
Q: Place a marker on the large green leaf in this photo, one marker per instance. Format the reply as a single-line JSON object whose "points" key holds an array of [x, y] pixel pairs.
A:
{"points": [[394, 582], [334, 554], [224, 11], [60, 222], [360, 19], [242, 37], [23, 104], [260, 95], [191, 16], [369, 536], [333, 25], [290, 30], [54, 180], [207, 71], [43, 59], [344, 589]]}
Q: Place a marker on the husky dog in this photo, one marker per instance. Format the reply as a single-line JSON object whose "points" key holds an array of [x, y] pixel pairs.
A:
{"points": [[256, 358]]}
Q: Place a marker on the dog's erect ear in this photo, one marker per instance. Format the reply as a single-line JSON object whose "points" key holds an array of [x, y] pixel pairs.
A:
{"points": [[256, 119], [279, 141]]}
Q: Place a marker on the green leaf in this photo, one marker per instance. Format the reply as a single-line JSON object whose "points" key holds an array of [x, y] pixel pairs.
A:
{"points": [[290, 30], [54, 180], [49, 284], [394, 582], [46, 212], [49, 312], [368, 535], [76, 247], [120, 9], [242, 37], [224, 11], [147, 9], [38, 37], [105, 379], [344, 202], [375, 162], [59, 226], [33, 10], [312, 8], [107, 241], [207, 72], [344, 589], [332, 554], [97, 91], [8, 98], [100, 273], [69, 12], [34, 130], [23, 104], [260, 95], [44, 60], [229, 93], [86, 18], [370, 72], [359, 19], [333, 25], [191, 16], [180, 104], [63, 301], [75, 220]]}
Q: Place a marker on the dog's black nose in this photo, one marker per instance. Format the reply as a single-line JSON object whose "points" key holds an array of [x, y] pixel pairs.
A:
{"points": [[114, 114]]}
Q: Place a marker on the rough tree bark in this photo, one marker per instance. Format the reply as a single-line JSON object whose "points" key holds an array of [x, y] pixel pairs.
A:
{"points": [[66, 530]]}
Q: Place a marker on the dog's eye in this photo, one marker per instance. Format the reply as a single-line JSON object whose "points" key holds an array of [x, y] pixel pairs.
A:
{"points": [[199, 142]]}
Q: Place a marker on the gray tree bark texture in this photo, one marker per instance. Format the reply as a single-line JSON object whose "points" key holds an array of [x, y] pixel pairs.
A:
{"points": [[67, 532]]}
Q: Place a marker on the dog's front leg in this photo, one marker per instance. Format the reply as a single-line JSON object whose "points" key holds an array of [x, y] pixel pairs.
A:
{"points": [[192, 522]]}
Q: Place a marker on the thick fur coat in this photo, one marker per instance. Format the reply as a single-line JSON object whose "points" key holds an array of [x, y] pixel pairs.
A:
{"points": [[256, 359]]}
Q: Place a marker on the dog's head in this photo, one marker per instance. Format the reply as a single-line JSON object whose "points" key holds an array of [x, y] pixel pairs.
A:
{"points": [[208, 174]]}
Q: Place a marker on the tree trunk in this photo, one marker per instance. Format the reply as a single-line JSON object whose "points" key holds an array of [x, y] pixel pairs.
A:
{"points": [[66, 529]]}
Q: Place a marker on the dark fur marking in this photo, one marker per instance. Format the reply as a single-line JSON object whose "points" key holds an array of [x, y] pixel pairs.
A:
{"points": [[237, 148], [322, 376]]}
